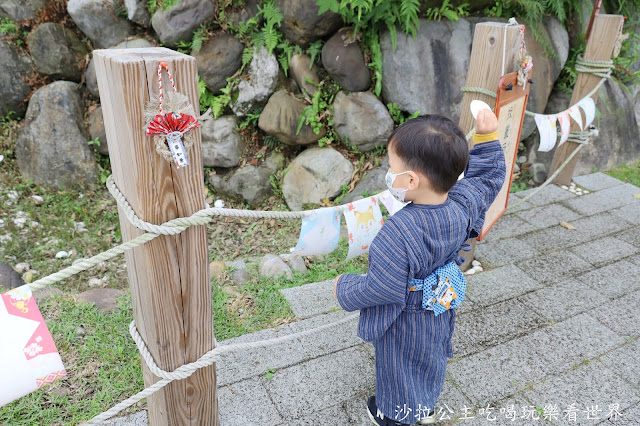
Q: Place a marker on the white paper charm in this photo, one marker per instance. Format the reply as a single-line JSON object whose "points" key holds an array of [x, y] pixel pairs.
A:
{"points": [[174, 140], [589, 107], [548, 131], [565, 126], [364, 220], [574, 112], [320, 232]]}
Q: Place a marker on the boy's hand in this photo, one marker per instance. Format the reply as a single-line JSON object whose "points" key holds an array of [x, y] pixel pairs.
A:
{"points": [[486, 123], [335, 286]]}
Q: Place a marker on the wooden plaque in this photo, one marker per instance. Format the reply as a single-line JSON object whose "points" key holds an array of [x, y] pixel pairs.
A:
{"points": [[510, 108]]}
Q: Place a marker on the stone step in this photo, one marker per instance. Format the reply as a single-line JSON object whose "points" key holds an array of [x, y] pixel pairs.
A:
{"points": [[311, 299], [240, 365]]}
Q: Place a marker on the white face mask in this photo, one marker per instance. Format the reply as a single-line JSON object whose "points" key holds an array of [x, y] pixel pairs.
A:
{"points": [[397, 193]]}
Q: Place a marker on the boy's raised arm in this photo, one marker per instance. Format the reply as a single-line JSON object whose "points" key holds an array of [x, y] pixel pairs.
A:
{"points": [[486, 170]]}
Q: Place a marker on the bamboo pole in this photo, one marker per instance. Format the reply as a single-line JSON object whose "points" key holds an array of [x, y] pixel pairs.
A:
{"points": [[600, 45], [168, 276]]}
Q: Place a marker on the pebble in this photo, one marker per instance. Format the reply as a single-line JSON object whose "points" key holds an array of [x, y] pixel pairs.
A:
{"points": [[22, 267], [578, 192], [97, 282], [80, 331], [34, 224], [20, 221], [5, 238], [1, 158], [37, 200], [61, 254], [478, 268], [28, 277], [1, 223], [470, 271], [240, 311], [80, 197], [12, 195], [475, 263], [585, 191], [565, 187], [79, 227], [572, 190], [218, 204]]}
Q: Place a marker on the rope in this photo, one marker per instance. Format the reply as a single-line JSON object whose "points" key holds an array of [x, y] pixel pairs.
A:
{"points": [[205, 360], [578, 137]]}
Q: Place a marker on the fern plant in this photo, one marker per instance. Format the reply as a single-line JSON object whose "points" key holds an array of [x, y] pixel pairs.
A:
{"points": [[447, 10], [217, 103]]}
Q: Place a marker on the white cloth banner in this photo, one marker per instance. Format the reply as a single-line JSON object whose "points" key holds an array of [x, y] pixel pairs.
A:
{"points": [[565, 126], [364, 221], [589, 107], [28, 356], [574, 112], [320, 232], [389, 201], [548, 131]]}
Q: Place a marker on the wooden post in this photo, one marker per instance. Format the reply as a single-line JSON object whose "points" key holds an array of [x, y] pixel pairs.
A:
{"points": [[168, 277], [600, 44], [485, 70]]}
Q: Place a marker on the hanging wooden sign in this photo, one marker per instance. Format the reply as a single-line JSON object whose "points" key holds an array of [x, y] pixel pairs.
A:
{"points": [[511, 103]]}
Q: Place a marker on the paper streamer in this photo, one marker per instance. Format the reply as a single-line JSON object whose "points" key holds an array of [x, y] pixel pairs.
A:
{"points": [[574, 112], [548, 131], [565, 126], [29, 356], [364, 221], [320, 232], [589, 107], [392, 205]]}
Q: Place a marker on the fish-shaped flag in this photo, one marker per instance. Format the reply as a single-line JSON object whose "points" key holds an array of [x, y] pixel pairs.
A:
{"points": [[364, 221]]}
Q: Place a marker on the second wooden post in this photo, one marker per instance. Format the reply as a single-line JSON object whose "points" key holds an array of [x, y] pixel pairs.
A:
{"points": [[168, 276]]}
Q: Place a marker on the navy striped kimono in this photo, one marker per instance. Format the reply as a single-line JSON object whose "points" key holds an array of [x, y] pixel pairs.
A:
{"points": [[412, 344]]}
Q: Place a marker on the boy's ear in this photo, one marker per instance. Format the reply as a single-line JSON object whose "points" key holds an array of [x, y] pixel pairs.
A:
{"points": [[414, 181]]}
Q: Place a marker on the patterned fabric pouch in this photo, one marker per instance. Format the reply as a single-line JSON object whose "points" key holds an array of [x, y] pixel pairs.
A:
{"points": [[444, 289]]}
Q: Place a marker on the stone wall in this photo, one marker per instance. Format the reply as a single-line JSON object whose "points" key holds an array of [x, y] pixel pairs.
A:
{"points": [[423, 74]]}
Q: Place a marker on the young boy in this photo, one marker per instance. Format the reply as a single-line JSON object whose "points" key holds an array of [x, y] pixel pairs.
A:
{"points": [[417, 247]]}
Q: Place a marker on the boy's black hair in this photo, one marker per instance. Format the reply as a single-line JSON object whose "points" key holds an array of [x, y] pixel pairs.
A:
{"points": [[434, 146]]}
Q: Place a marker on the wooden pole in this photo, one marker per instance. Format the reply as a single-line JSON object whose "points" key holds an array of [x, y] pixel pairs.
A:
{"points": [[600, 45], [168, 276], [485, 70]]}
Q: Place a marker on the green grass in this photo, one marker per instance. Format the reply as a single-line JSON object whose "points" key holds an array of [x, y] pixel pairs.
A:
{"points": [[627, 173]]}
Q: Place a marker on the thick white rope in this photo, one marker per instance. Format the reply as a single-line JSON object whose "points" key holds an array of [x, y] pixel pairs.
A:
{"points": [[205, 360]]}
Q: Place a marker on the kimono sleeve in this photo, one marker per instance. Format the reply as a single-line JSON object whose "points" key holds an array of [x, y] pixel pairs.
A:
{"points": [[388, 275]]}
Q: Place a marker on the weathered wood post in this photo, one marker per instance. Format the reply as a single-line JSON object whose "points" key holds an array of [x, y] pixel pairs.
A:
{"points": [[602, 39], [485, 70], [168, 276]]}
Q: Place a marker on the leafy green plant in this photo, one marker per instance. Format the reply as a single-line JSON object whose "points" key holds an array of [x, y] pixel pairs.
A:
{"points": [[217, 103], [319, 114], [314, 51], [398, 116], [251, 119], [447, 10], [12, 32]]}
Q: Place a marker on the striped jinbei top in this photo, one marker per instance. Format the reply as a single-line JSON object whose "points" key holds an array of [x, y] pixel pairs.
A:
{"points": [[412, 345]]}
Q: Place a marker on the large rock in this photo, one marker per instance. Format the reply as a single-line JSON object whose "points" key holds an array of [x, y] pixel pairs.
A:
{"points": [[302, 70], [344, 61], [222, 146], [105, 299], [180, 21], [20, 10], [315, 174], [263, 79], [52, 146], [90, 75], [362, 120], [137, 12], [9, 278], [280, 118], [56, 52], [302, 24], [97, 130], [251, 183], [545, 69], [220, 57], [372, 183], [425, 74], [98, 21], [273, 266], [618, 141], [15, 64]]}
